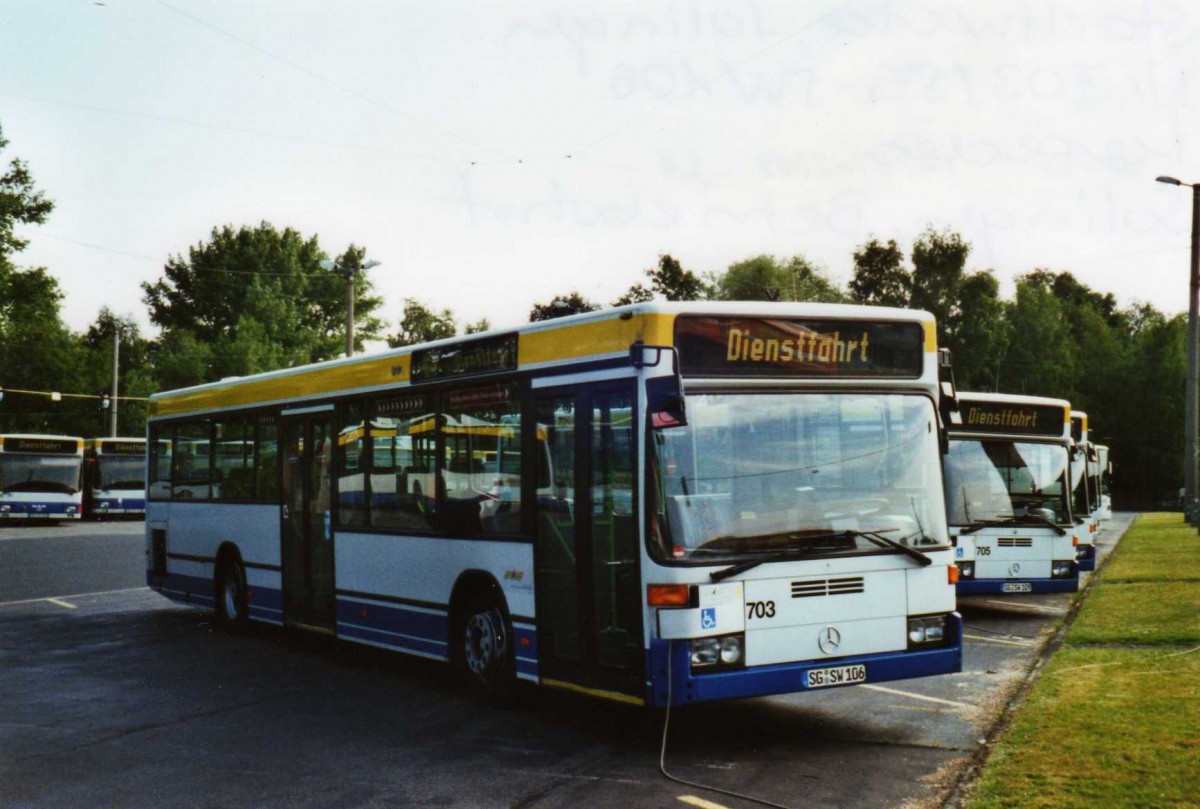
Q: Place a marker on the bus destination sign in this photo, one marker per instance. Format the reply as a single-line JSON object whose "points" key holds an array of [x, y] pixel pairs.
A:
{"points": [[1007, 417], [53, 446], [779, 347], [465, 359], [122, 448]]}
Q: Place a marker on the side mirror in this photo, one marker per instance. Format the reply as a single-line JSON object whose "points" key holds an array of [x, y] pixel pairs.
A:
{"points": [[664, 394]]}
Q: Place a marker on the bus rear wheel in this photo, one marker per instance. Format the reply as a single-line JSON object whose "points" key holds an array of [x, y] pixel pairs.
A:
{"points": [[231, 593], [482, 649]]}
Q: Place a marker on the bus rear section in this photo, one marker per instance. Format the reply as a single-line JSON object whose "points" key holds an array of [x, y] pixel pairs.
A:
{"points": [[40, 477], [114, 477], [1008, 495]]}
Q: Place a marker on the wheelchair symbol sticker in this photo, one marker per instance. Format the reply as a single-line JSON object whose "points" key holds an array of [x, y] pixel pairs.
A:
{"points": [[708, 618]]}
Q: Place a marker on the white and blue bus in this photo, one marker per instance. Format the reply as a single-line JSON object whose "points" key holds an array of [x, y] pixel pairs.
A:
{"points": [[1008, 495], [40, 477], [1084, 502], [1103, 473], [114, 478], [657, 504]]}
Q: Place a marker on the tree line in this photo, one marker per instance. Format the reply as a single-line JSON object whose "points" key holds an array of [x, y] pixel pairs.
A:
{"points": [[253, 299]]}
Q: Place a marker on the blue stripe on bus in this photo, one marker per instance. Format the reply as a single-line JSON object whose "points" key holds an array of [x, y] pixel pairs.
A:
{"points": [[971, 587], [393, 626], [20, 510], [1087, 560], [527, 651], [185, 589], [786, 678]]}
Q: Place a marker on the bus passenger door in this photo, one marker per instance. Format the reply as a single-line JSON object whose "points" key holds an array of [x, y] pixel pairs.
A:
{"points": [[588, 582], [306, 522]]}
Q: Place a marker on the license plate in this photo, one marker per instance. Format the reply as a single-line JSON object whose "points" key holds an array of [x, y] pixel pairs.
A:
{"points": [[837, 675], [1016, 587]]}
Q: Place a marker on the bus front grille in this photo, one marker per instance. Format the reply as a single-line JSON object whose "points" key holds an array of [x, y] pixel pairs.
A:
{"points": [[1014, 542], [827, 587]]}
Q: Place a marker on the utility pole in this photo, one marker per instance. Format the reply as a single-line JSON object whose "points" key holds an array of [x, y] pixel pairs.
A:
{"points": [[349, 272], [1191, 454], [116, 365]]}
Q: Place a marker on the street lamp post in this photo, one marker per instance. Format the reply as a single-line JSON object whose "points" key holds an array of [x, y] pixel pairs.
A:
{"points": [[349, 272], [1191, 460]]}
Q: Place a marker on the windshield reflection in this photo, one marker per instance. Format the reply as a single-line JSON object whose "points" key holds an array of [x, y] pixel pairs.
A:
{"points": [[995, 479], [760, 473], [22, 473]]}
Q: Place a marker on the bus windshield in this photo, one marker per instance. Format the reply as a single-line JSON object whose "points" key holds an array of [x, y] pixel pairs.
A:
{"points": [[122, 472], [1081, 484], [37, 473], [756, 473], [997, 479]]}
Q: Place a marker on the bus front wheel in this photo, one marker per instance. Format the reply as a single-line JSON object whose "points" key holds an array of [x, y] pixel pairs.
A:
{"points": [[482, 649], [231, 593]]}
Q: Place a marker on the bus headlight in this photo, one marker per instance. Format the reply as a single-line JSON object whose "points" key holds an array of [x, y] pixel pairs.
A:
{"points": [[926, 631], [966, 570], [722, 651], [1062, 569]]}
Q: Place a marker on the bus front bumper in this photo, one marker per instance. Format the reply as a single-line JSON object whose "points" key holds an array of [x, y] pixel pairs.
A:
{"points": [[673, 658], [972, 587]]}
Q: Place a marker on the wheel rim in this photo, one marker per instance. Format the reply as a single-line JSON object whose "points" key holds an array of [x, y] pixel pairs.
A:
{"points": [[229, 594], [484, 643]]}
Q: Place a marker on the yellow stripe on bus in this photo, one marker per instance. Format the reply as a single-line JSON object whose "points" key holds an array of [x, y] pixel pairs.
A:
{"points": [[565, 343], [595, 338], [594, 692]]}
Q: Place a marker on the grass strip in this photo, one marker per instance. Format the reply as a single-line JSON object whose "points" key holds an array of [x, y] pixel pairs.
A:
{"points": [[1140, 613], [1103, 727], [1115, 726]]}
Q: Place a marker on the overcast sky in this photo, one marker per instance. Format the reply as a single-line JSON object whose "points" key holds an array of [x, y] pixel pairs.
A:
{"points": [[494, 154]]}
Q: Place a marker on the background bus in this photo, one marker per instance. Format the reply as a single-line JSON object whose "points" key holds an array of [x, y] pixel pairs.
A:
{"points": [[1008, 495], [40, 477], [1083, 498], [662, 503], [114, 478]]}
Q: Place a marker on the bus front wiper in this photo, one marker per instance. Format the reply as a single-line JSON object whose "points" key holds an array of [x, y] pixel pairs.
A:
{"points": [[1026, 519], [879, 539], [779, 556], [875, 537]]}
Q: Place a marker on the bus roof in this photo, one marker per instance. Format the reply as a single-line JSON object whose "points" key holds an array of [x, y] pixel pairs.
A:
{"points": [[606, 334]]}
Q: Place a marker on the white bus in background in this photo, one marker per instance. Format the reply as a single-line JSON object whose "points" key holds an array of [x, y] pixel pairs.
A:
{"points": [[1083, 503], [1008, 495], [114, 478], [660, 503], [41, 477], [1103, 482]]}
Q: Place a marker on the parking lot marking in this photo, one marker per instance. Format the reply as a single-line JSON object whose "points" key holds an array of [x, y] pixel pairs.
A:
{"points": [[1001, 641], [55, 599], [911, 695], [1018, 607], [703, 804], [61, 603]]}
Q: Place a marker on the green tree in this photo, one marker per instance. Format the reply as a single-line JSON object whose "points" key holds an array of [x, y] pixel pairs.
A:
{"points": [[20, 203], [668, 280], [879, 276], [421, 324], [1041, 359], [260, 300], [939, 260], [765, 278], [978, 333], [560, 306]]}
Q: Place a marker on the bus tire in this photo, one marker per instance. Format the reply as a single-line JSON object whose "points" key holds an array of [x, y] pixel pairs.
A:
{"points": [[231, 593], [481, 648]]}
